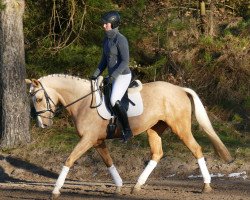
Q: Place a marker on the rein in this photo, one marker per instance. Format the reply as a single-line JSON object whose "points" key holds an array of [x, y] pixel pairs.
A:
{"points": [[57, 110]]}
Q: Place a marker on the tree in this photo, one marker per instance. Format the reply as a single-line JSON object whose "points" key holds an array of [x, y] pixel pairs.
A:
{"points": [[14, 104], [211, 18], [202, 16]]}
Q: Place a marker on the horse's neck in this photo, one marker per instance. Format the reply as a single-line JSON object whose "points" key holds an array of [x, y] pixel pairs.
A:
{"points": [[69, 89]]}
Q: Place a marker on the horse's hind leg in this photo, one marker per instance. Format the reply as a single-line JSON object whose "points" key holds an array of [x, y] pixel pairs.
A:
{"points": [[156, 152], [186, 136], [104, 153]]}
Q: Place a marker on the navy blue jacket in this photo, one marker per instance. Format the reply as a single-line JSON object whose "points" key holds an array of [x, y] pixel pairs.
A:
{"points": [[115, 56]]}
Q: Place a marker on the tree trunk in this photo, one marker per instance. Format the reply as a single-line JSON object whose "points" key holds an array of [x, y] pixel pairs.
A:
{"points": [[211, 20], [202, 16], [14, 104]]}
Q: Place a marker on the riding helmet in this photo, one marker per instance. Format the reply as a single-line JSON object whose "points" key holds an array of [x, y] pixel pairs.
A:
{"points": [[112, 17]]}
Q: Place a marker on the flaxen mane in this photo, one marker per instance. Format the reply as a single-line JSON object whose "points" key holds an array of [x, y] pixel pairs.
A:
{"points": [[63, 76]]}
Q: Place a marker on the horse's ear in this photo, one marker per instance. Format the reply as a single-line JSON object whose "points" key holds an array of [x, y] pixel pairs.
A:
{"points": [[28, 81], [35, 82]]}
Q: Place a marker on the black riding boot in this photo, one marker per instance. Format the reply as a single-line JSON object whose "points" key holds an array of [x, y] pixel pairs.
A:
{"points": [[121, 114]]}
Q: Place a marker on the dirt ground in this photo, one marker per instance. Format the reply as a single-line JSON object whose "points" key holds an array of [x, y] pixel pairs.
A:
{"points": [[88, 179], [157, 189]]}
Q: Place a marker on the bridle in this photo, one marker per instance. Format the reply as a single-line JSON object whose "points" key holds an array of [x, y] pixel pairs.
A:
{"points": [[48, 104], [57, 110]]}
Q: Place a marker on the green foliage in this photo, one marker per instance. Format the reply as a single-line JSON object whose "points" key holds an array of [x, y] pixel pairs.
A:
{"points": [[178, 25], [207, 58], [188, 65], [2, 6], [239, 29], [63, 139], [211, 43], [54, 44], [206, 41], [218, 65], [243, 152], [247, 102], [150, 73], [58, 140], [74, 59], [230, 137], [237, 119], [243, 9], [132, 34]]}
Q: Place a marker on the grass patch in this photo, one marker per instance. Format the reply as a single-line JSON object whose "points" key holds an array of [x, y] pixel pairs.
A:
{"points": [[62, 140], [56, 139]]}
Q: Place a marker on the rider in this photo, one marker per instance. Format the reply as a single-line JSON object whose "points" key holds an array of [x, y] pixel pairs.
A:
{"points": [[115, 57]]}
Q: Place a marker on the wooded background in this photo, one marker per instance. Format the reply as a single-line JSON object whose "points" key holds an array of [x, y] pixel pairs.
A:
{"points": [[204, 45], [169, 40]]}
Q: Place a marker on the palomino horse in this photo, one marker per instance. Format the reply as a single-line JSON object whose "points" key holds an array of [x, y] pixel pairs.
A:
{"points": [[165, 105]]}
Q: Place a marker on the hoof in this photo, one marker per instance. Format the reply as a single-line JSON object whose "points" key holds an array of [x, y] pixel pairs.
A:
{"points": [[118, 190], [55, 196], [207, 188], [136, 189]]}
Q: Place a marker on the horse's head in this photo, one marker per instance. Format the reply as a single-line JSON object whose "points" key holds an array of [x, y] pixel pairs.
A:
{"points": [[44, 100]]}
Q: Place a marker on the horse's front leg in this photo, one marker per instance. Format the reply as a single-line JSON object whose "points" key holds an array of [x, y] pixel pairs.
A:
{"points": [[83, 145], [104, 153]]}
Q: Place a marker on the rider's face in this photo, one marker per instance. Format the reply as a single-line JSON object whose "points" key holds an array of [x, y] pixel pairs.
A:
{"points": [[107, 26]]}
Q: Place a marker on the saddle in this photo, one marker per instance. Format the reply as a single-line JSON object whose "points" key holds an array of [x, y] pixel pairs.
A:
{"points": [[107, 90], [131, 101]]}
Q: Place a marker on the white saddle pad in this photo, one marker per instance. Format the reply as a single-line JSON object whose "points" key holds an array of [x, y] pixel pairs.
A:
{"points": [[133, 110]]}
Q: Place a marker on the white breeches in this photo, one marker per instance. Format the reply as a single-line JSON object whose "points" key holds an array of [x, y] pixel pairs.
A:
{"points": [[120, 86]]}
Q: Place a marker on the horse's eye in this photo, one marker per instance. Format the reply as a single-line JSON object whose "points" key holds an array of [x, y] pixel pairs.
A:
{"points": [[38, 100]]}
